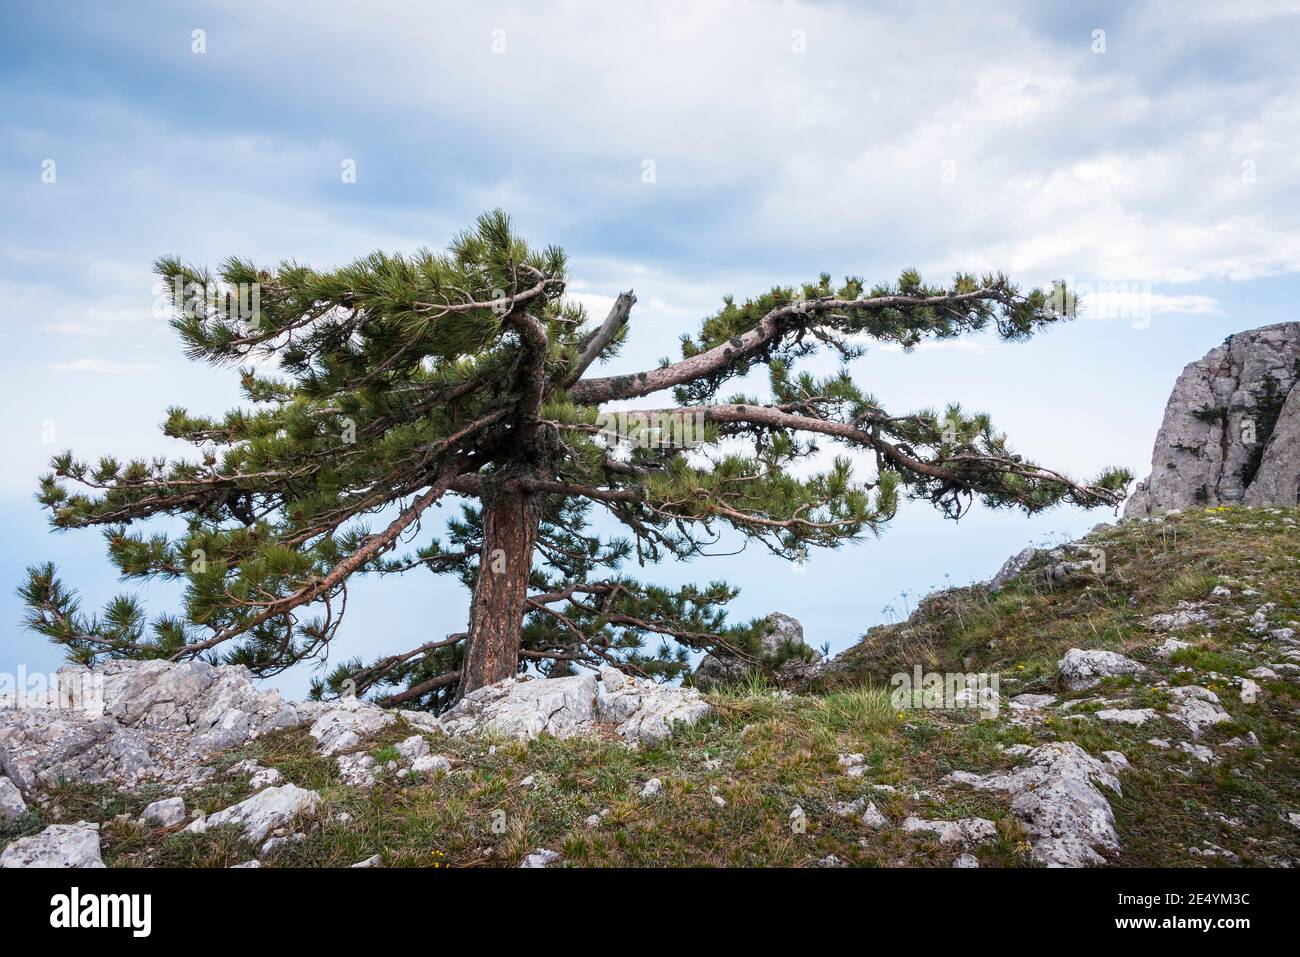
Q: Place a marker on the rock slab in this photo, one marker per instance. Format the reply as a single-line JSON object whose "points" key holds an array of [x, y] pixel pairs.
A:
{"points": [[59, 845], [1057, 794]]}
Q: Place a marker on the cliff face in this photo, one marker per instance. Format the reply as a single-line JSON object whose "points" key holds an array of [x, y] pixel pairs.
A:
{"points": [[1231, 431]]}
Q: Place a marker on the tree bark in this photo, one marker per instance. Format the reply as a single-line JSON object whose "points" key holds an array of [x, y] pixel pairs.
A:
{"points": [[510, 520]]}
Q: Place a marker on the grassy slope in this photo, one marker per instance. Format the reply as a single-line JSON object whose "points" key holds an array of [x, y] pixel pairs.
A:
{"points": [[763, 753]]}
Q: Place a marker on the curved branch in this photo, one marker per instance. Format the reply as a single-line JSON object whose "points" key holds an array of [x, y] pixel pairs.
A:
{"points": [[768, 329]]}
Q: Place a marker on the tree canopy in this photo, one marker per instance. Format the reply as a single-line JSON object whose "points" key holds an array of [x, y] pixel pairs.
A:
{"points": [[380, 392]]}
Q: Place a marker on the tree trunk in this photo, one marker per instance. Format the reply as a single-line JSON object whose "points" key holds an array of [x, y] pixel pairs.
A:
{"points": [[510, 520]]}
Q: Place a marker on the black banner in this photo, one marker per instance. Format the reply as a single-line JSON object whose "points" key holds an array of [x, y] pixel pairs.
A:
{"points": [[138, 908]]}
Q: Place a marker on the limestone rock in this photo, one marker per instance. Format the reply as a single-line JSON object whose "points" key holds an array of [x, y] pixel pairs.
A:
{"points": [[872, 816], [1012, 568], [267, 810], [274, 844], [219, 705], [848, 808], [1184, 616], [542, 857], [165, 813], [1199, 751], [258, 776], [638, 709], [1134, 716], [784, 636], [971, 830], [136, 721], [1277, 482], [1213, 435], [59, 845], [643, 711], [44, 746], [1083, 669], [1198, 708], [357, 770], [413, 747], [1170, 646], [1032, 702], [428, 763], [12, 805], [345, 723], [1057, 795], [560, 707]]}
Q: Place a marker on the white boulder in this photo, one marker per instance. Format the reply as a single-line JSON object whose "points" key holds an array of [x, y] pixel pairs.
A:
{"points": [[267, 810], [165, 813], [637, 709], [416, 746], [1198, 708], [346, 723], [136, 721], [971, 830], [1083, 669], [526, 708], [59, 845], [643, 711], [1134, 716], [429, 763], [542, 857], [357, 770]]}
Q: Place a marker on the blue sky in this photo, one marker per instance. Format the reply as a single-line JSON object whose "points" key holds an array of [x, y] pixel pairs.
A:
{"points": [[1153, 164]]}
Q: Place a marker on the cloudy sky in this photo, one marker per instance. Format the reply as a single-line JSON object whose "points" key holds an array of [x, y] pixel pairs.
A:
{"points": [[1147, 152]]}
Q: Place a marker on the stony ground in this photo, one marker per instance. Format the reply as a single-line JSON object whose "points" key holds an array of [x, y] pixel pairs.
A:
{"points": [[1178, 748]]}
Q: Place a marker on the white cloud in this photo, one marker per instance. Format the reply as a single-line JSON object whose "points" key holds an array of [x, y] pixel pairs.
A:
{"points": [[1137, 303], [1111, 167], [101, 366]]}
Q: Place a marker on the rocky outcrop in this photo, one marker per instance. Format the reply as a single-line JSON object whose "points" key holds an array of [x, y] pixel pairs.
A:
{"points": [[783, 640], [1056, 795], [523, 708], [1231, 431], [637, 709], [136, 721], [1278, 480], [1012, 568], [156, 721], [642, 711]]}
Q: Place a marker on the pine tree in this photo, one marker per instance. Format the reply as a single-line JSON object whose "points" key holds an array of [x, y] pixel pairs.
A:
{"points": [[402, 384]]}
